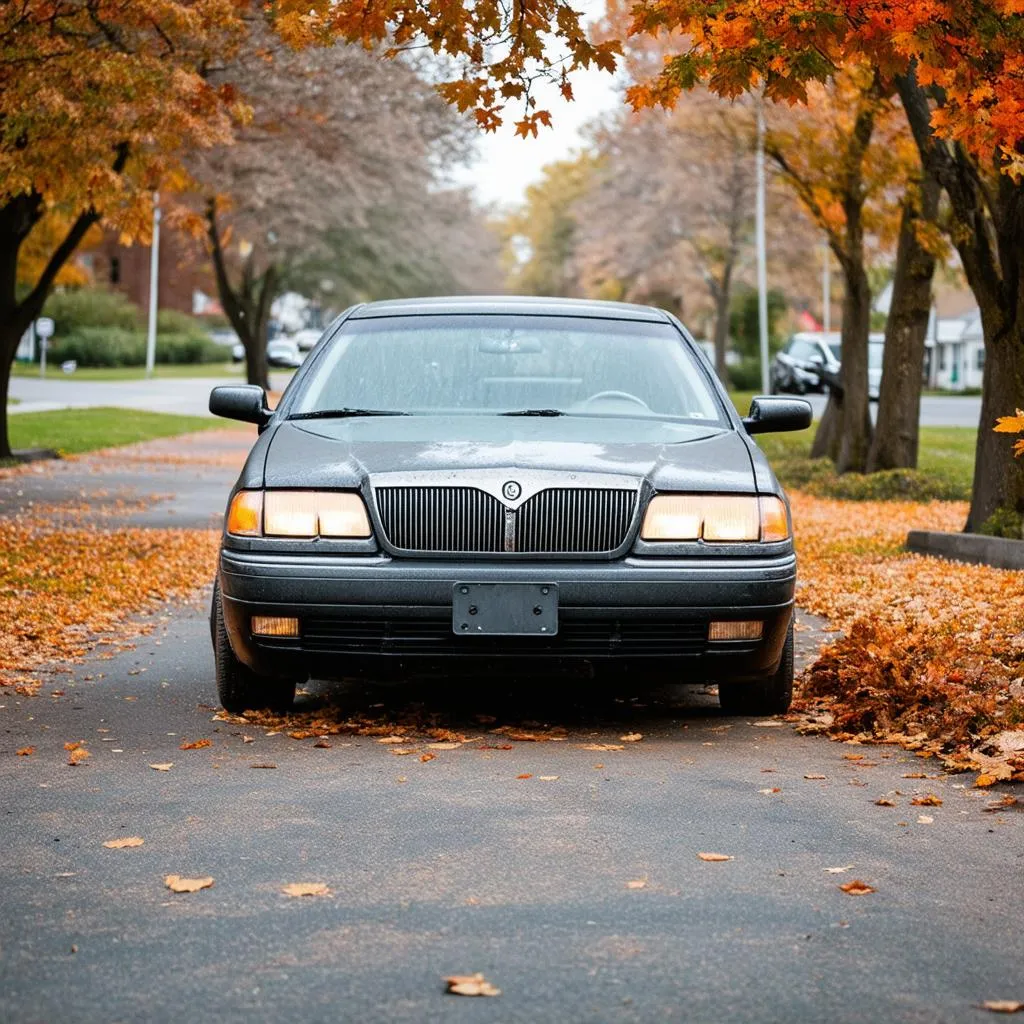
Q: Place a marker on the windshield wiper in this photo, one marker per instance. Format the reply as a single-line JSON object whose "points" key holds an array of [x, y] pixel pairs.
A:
{"points": [[533, 412], [332, 414]]}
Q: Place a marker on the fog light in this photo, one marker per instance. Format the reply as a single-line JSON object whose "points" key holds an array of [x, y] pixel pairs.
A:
{"points": [[274, 625], [735, 630]]}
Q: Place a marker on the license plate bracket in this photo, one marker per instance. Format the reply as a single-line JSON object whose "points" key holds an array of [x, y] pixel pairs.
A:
{"points": [[505, 609]]}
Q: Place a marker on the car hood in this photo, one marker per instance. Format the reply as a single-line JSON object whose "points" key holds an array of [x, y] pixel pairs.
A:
{"points": [[349, 452]]}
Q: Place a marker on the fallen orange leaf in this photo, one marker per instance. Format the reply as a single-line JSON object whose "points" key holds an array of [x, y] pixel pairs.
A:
{"points": [[857, 888], [165, 767], [1003, 1005], [196, 745], [525, 775], [306, 889], [928, 800], [470, 985], [26, 751], [124, 844], [178, 884], [712, 857]]}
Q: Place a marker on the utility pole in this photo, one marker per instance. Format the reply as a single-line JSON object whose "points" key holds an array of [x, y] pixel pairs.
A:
{"points": [[762, 271], [154, 286], [826, 287]]}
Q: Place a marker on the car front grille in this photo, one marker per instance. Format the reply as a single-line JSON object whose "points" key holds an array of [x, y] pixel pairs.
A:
{"points": [[576, 637], [569, 520]]}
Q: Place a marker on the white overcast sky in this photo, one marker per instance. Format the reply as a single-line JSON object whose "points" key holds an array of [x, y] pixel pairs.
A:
{"points": [[505, 165]]}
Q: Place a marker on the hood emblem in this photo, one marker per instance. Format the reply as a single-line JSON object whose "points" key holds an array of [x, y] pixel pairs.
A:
{"points": [[511, 490]]}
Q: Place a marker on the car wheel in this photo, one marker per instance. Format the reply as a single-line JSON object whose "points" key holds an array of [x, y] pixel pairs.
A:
{"points": [[238, 687], [769, 696]]}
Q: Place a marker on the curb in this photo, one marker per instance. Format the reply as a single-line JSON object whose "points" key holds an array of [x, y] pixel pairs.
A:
{"points": [[1000, 552]]}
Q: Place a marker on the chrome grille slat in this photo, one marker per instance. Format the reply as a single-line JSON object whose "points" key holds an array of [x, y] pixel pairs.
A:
{"points": [[441, 518], [570, 520]]}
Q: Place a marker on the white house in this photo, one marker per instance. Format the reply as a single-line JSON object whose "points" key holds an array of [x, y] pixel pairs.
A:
{"points": [[958, 352]]}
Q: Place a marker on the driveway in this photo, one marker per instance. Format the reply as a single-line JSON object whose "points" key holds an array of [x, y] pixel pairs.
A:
{"points": [[565, 866]]}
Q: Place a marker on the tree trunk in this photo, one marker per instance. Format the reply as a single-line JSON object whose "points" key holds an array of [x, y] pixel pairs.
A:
{"points": [[247, 307], [899, 404], [723, 299], [855, 441], [998, 476], [988, 224], [827, 436]]}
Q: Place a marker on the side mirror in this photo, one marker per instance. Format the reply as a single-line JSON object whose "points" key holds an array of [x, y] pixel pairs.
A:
{"points": [[768, 414], [245, 402]]}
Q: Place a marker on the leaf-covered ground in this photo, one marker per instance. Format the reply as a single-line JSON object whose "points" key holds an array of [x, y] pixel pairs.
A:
{"points": [[932, 652], [64, 590]]}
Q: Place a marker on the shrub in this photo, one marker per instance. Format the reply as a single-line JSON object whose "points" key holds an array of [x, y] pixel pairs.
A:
{"points": [[171, 321], [818, 477], [1004, 522], [91, 307], [112, 347], [745, 375]]}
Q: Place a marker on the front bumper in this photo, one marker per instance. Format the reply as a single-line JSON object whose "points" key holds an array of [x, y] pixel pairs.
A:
{"points": [[354, 610]]}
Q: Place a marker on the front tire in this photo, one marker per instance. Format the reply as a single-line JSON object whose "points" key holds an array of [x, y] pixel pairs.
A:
{"points": [[238, 687], [769, 696]]}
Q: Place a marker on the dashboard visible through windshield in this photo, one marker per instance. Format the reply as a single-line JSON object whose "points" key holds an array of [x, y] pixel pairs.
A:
{"points": [[464, 364]]}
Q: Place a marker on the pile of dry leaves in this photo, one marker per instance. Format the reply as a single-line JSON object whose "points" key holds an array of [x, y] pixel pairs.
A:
{"points": [[932, 652], [63, 590]]}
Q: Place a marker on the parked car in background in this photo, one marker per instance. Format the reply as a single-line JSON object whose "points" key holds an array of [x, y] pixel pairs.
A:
{"points": [[283, 353], [306, 338], [488, 480], [811, 356], [796, 369], [876, 348]]}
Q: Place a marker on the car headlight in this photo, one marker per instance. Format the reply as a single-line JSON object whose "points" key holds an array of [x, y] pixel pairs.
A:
{"points": [[715, 517], [298, 514]]}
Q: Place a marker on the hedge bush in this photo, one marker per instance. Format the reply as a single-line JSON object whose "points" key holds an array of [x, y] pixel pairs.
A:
{"points": [[91, 307], [818, 477], [112, 347], [745, 376]]}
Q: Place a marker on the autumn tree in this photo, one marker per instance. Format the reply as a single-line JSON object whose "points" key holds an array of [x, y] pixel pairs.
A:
{"points": [[95, 100], [840, 155], [543, 234], [897, 429], [956, 65], [339, 144], [671, 206]]}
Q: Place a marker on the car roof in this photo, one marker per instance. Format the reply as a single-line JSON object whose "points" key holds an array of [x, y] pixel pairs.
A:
{"points": [[523, 305]]}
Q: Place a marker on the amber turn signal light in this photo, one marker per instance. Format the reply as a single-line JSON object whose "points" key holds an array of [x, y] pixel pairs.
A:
{"points": [[735, 630], [246, 514], [274, 625]]}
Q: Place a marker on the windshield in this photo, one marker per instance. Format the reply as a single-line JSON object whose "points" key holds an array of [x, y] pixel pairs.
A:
{"points": [[526, 365], [836, 350]]}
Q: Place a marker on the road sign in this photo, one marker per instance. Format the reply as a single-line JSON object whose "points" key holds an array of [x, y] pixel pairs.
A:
{"points": [[44, 327]]}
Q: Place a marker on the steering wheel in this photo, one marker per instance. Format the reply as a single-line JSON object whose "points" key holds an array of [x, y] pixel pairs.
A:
{"points": [[622, 396]]}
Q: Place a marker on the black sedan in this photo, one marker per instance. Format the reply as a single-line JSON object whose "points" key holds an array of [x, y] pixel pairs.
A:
{"points": [[506, 479]]}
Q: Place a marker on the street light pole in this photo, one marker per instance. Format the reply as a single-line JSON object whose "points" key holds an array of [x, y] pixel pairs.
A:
{"points": [[154, 286], [826, 287], [762, 271]]}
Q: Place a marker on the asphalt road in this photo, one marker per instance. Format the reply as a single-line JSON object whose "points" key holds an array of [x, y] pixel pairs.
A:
{"points": [[459, 864], [936, 410], [190, 396]]}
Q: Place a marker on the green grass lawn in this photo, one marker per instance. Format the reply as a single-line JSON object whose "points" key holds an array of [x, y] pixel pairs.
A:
{"points": [[84, 430], [225, 369], [945, 467]]}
